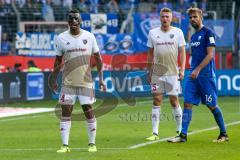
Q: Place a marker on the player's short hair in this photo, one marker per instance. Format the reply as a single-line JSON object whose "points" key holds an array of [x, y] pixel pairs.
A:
{"points": [[74, 11], [195, 10], [165, 9]]}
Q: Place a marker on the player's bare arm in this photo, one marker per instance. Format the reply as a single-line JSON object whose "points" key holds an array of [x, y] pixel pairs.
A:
{"points": [[56, 70], [99, 62], [150, 63], [206, 60], [182, 54]]}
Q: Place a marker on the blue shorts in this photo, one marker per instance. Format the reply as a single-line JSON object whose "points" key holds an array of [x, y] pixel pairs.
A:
{"points": [[202, 89]]}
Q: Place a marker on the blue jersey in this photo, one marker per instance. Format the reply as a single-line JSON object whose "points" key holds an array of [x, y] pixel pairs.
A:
{"points": [[199, 43]]}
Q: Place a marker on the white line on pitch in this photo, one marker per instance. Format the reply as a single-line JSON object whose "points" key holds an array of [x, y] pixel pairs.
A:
{"points": [[191, 133], [52, 149], [131, 147], [22, 117]]}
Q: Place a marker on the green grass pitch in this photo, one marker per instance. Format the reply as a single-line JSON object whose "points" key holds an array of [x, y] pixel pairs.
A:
{"points": [[37, 137]]}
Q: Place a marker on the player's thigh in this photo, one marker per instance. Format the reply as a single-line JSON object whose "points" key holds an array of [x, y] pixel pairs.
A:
{"points": [[191, 92], [86, 95], [67, 95], [157, 85], [172, 85], [208, 91]]}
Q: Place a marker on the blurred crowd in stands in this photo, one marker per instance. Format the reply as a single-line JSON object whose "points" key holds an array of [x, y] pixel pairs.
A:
{"points": [[96, 6], [13, 11]]}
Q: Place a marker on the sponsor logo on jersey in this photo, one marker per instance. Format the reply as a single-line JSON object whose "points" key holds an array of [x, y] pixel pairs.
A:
{"points": [[84, 41], [165, 43], [77, 50], [195, 44]]}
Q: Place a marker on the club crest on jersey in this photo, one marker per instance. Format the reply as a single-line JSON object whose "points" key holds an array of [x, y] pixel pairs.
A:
{"points": [[171, 36], [84, 41], [199, 37], [68, 43]]}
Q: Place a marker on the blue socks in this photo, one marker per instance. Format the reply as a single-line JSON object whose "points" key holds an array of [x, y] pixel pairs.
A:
{"points": [[186, 118], [219, 119]]}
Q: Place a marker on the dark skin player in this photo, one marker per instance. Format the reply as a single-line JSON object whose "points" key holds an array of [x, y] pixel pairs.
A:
{"points": [[74, 21]]}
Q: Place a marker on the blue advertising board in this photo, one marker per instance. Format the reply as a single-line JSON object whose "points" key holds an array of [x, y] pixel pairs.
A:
{"points": [[116, 44], [35, 86], [125, 84], [224, 31], [42, 44], [35, 44], [100, 23]]}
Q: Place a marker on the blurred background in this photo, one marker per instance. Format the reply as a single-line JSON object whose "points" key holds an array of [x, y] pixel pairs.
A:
{"points": [[28, 29]]}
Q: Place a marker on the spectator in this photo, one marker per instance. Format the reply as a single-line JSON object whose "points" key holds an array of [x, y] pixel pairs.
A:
{"points": [[112, 6], [182, 6], [28, 4], [82, 6], [57, 2], [7, 1], [47, 11], [164, 3], [194, 4], [203, 5], [93, 6], [67, 4], [32, 67], [20, 3], [5, 45], [126, 5], [17, 67]]}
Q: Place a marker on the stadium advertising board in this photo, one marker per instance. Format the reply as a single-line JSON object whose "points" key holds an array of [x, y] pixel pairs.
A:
{"points": [[35, 86], [224, 31], [116, 44], [35, 44], [16, 87], [134, 83], [130, 84], [100, 23], [0, 37], [42, 44], [144, 22], [239, 36]]}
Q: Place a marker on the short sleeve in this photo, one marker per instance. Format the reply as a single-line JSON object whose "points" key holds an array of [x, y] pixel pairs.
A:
{"points": [[181, 41], [95, 47], [210, 38], [149, 42], [58, 46]]}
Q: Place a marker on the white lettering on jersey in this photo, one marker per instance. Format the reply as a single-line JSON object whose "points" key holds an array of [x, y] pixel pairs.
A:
{"points": [[195, 44]]}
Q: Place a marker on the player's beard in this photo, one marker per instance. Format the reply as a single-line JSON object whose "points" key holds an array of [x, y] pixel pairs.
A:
{"points": [[195, 26]]}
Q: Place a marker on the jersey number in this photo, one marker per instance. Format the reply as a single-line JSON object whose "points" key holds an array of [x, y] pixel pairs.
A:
{"points": [[208, 98], [62, 98]]}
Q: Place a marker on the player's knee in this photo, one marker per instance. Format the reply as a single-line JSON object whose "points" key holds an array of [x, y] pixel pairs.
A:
{"points": [[87, 109], [157, 101], [188, 106], [211, 107], [174, 102], [67, 110]]}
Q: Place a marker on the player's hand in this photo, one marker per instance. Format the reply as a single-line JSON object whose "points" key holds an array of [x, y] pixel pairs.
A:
{"points": [[102, 86], [149, 77], [194, 73], [54, 87], [181, 75]]}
